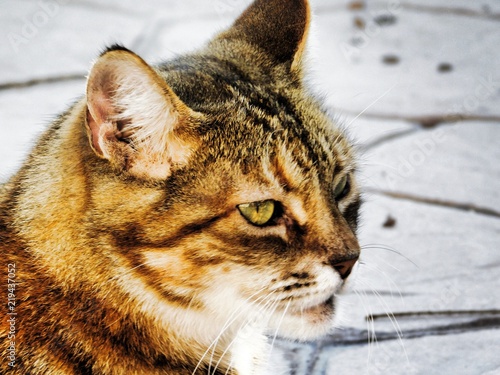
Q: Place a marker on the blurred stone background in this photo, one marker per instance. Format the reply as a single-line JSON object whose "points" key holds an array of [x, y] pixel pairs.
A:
{"points": [[417, 85]]}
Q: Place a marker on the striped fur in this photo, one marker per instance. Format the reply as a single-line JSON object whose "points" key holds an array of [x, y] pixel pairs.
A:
{"points": [[131, 255]]}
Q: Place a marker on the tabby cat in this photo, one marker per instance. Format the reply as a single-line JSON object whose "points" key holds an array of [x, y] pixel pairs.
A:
{"points": [[178, 217]]}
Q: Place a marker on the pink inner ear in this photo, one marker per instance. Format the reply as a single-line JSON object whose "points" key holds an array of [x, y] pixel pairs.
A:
{"points": [[100, 107], [100, 110]]}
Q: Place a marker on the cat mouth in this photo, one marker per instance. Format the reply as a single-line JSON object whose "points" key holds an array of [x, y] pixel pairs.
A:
{"points": [[305, 321], [325, 309]]}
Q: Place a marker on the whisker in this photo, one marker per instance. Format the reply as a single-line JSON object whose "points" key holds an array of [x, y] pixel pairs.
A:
{"points": [[391, 317], [390, 249], [263, 298], [229, 367], [244, 325], [386, 263], [226, 325], [370, 326], [279, 326], [373, 103], [392, 283]]}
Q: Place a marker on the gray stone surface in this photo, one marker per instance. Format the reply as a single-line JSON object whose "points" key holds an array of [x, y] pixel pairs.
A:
{"points": [[428, 135], [413, 43], [423, 164]]}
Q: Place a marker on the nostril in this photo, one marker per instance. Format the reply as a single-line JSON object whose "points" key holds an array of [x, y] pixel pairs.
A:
{"points": [[345, 268]]}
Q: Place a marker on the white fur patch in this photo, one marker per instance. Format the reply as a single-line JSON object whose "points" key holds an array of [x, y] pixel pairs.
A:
{"points": [[248, 356], [148, 115]]}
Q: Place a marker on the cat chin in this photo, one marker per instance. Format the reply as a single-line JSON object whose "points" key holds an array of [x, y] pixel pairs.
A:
{"points": [[307, 324]]}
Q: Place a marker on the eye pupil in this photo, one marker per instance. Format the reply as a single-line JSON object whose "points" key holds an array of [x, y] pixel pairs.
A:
{"points": [[342, 189], [258, 213]]}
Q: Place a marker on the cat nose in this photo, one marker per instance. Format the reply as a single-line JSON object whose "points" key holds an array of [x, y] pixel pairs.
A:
{"points": [[345, 267]]}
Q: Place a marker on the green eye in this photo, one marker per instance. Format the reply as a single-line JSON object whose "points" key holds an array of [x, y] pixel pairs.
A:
{"points": [[258, 213], [342, 188]]}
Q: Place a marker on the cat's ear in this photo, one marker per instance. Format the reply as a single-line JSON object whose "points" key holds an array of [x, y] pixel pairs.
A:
{"points": [[134, 119], [277, 27]]}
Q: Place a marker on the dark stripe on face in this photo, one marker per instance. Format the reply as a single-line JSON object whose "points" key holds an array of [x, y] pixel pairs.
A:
{"points": [[181, 300], [338, 169], [280, 173], [313, 150], [132, 238], [252, 250], [186, 231], [351, 213], [131, 242]]}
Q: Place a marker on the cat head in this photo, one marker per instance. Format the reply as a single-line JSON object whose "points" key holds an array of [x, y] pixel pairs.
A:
{"points": [[237, 194]]}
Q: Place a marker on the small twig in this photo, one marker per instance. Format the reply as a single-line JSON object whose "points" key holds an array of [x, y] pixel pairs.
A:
{"points": [[438, 202], [41, 81], [436, 313], [429, 121]]}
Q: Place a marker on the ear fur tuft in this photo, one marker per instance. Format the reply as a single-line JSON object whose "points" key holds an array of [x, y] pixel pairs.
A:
{"points": [[134, 119], [115, 47]]}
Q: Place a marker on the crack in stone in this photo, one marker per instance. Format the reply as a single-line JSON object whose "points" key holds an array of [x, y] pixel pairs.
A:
{"points": [[315, 357], [450, 10], [386, 293], [389, 137], [351, 337], [485, 320], [41, 81], [446, 313], [438, 202]]}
